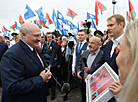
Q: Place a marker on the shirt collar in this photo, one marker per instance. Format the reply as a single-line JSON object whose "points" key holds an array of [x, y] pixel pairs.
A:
{"points": [[95, 52], [83, 42], [118, 39], [28, 46]]}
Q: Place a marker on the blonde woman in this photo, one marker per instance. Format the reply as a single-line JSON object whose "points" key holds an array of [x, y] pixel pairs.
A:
{"points": [[127, 61]]}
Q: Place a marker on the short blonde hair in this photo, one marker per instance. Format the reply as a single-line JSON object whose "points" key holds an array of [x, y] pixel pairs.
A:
{"points": [[129, 92], [119, 18]]}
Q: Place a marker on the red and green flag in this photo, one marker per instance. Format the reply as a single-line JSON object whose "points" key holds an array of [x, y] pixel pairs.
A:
{"points": [[101, 6], [4, 28], [48, 18], [128, 17], [21, 21], [96, 12], [81, 25], [42, 24], [132, 11], [13, 27], [71, 13], [38, 24], [98, 5]]}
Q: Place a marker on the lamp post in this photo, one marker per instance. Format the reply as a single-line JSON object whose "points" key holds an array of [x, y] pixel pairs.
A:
{"points": [[114, 2]]}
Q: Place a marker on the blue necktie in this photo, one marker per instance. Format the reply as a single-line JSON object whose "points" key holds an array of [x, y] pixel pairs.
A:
{"points": [[79, 47]]}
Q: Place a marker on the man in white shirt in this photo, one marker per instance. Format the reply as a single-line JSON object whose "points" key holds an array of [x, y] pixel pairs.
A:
{"points": [[81, 46]]}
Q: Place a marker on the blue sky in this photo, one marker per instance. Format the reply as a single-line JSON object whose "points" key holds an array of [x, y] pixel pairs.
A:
{"points": [[11, 9]]}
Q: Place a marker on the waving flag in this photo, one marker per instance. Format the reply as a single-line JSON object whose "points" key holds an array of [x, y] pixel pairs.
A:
{"points": [[21, 21], [13, 27], [41, 15], [54, 18], [17, 26], [93, 25], [60, 16], [90, 16], [81, 24], [71, 13], [48, 18], [72, 26], [42, 24], [37, 23], [5, 28], [132, 11], [128, 17], [101, 6], [63, 31], [28, 13]]}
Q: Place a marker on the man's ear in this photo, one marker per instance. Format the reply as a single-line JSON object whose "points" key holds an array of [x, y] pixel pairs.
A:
{"points": [[23, 35], [121, 24]]}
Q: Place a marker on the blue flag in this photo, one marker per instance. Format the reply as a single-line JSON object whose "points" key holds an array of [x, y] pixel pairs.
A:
{"points": [[43, 33], [93, 25], [41, 15], [28, 13], [54, 18], [35, 22], [63, 31], [72, 26], [60, 16], [17, 26], [90, 16], [4, 33]]}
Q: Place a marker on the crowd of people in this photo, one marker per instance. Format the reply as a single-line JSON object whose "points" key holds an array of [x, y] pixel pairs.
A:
{"points": [[28, 62]]}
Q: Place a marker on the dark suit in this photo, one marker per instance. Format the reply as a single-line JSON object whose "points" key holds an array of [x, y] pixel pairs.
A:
{"points": [[20, 69], [51, 55], [3, 48], [106, 58], [81, 66]]}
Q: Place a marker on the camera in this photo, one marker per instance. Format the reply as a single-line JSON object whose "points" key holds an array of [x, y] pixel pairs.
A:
{"points": [[88, 25]]}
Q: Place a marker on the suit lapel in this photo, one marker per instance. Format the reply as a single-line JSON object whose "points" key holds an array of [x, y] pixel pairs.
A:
{"points": [[96, 59], [30, 53], [109, 47]]}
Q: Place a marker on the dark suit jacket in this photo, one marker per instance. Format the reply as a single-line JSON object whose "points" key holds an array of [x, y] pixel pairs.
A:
{"points": [[86, 53], [20, 70], [50, 54], [106, 58], [3, 48]]}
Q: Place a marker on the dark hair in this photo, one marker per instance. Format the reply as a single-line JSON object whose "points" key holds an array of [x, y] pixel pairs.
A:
{"points": [[82, 30]]}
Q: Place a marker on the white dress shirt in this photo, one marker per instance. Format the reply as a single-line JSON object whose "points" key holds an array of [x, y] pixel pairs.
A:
{"points": [[74, 55], [115, 43]]}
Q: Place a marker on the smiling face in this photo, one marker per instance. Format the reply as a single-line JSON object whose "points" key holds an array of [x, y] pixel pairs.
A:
{"points": [[34, 36], [123, 60], [94, 43]]}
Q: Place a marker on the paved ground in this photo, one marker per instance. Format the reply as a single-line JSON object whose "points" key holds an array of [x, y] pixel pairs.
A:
{"points": [[73, 96]]}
